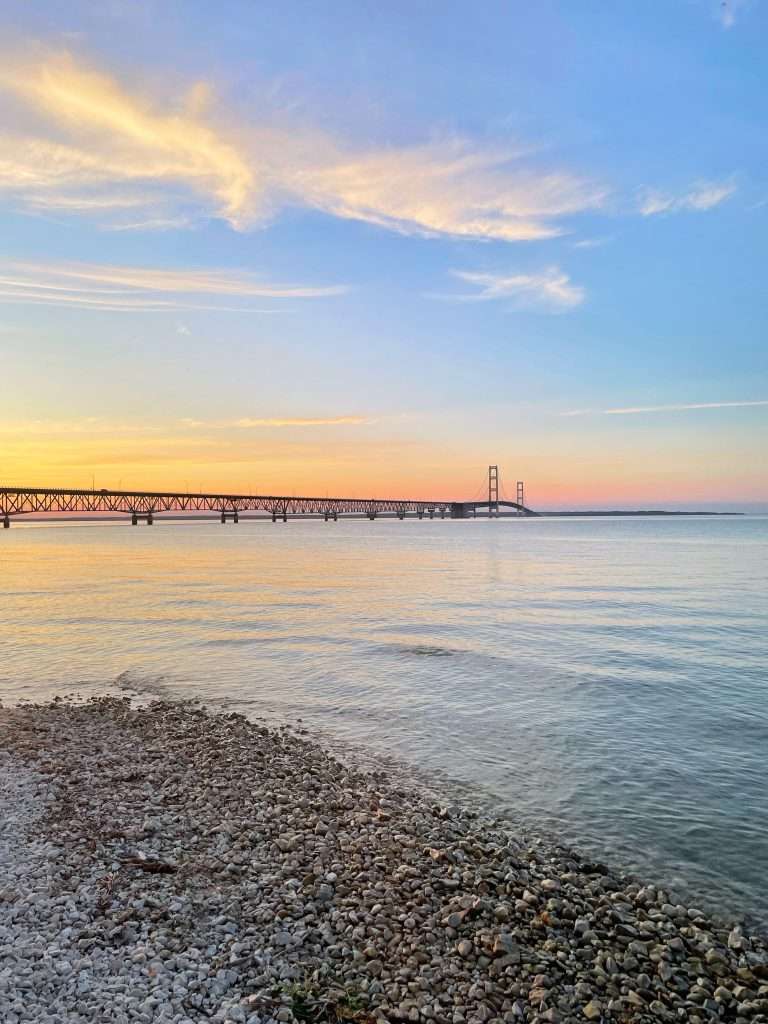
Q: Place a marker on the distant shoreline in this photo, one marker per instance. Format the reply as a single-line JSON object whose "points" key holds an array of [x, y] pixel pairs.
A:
{"points": [[639, 512]]}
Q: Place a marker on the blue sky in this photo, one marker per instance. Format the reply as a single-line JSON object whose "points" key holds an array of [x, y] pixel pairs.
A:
{"points": [[371, 248]]}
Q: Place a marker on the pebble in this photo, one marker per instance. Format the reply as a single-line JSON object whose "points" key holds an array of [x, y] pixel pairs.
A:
{"points": [[162, 864]]}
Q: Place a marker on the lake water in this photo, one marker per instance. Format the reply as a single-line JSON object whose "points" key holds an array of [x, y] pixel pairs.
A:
{"points": [[603, 680]]}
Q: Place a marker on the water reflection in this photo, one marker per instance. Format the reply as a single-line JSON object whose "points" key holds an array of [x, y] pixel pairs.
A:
{"points": [[602, 679]]}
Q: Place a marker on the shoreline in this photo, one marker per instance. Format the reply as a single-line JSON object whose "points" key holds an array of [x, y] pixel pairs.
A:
{"points": [[166, 863]]}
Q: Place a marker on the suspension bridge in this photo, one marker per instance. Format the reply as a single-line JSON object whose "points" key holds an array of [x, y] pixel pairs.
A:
{"points": [[144, 506]]}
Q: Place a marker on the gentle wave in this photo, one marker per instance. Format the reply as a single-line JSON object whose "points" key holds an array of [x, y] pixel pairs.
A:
{"points": [[599, 680]]}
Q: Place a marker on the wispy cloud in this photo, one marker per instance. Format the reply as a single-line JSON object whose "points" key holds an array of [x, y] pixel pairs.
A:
{"points": [[83, 130], [550, 290], [640, 409], [704, 195], [447, 189], [153, 224], [249, 422], [143, 289], [303, 421], [53, 202], [113, 134], [591, 243], [81, 425], [97, 425]]}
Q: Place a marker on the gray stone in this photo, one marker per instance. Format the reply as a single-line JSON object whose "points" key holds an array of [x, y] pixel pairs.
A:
{"points": [[505, 945], [274, 899]]}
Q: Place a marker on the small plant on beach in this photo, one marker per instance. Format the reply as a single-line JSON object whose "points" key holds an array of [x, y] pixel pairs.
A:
{"points": [[310, 1005]]}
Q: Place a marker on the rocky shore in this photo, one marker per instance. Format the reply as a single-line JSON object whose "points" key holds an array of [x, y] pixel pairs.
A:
{"points": [[164, 864]]}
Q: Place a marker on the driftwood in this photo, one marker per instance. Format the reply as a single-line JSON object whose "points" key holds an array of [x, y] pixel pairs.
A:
{"points": [[155, 867]]}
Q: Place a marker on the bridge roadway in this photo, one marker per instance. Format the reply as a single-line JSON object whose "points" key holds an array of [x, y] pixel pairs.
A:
{"points": [[145, 505]]}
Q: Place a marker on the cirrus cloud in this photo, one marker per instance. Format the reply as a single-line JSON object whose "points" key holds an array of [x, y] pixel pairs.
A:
{"points": [[636, 410], [704, 195], [144, 289], [83, 138], [252, 422], [92, 425], [550, 290]]}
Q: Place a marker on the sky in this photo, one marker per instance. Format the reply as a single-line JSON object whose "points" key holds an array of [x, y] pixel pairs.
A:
{"points": [[366, 249]]}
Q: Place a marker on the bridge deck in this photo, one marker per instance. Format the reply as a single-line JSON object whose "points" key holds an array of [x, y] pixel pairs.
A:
{"points": [[462, 509], [146, 504]]}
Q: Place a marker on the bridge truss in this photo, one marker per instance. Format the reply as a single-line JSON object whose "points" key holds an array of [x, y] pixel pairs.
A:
{"points": [[146, 505]]}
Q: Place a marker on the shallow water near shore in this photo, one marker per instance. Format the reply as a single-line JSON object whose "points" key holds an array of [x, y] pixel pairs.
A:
{"points": [[601, 680]]}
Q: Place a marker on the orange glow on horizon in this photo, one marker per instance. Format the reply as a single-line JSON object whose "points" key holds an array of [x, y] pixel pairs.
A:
{"points": [[338, 465]]}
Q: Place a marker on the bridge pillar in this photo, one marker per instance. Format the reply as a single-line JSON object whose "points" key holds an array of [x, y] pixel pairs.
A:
{"points": [[401, 515], [274, 516], [335, 516], [6, 522], [326, 515], [136, 516], [285, 515]]}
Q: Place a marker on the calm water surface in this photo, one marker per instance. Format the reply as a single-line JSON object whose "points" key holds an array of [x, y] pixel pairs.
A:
{"points": [[600, 679]]}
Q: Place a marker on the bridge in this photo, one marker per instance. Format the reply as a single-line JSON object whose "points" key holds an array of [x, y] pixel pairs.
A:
{"points": [[146, 505]]}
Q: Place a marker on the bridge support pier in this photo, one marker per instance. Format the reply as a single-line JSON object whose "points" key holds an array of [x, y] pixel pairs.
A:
{"points": [[136, 516], [6, 522], [233, 515]]}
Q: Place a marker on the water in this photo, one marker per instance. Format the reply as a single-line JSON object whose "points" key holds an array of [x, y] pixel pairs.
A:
{"points": [[603, 680]]}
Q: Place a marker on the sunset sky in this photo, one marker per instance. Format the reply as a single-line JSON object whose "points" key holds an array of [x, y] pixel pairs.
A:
{"points": [[366, 248]]}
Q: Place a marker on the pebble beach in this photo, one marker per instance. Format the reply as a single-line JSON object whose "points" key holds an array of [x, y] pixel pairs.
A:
{"points": [[162, 863]]}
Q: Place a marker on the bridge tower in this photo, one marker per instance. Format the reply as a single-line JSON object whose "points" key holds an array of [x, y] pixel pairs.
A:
{"points": [[520, 497], [493, 491]]}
